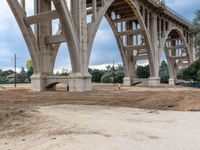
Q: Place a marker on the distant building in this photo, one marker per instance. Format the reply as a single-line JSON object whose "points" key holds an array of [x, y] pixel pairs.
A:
{"points": [[11, 77]]}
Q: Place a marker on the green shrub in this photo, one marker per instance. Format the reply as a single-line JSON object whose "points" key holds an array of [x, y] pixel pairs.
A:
{"points": [[106, 78]]}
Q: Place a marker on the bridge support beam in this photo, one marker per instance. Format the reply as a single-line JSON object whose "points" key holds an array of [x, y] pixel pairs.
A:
{"points": [[154, 79], [42, 30], [80, 79], [172, 82], [38, 82], [173, 65], [79, 82], [127, 81]]}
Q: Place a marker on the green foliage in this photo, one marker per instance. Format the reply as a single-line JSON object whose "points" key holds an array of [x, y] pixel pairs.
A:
{"points": [[64, 73], [190, 73], [3, 79], [196, 30], [198, 75], [164, 72], [119, 74], [29, 64], [4, 74], [143, 71], [96, 74], [197, 42], [22, 76], [106, 78], [29, 67], [196, 22]]}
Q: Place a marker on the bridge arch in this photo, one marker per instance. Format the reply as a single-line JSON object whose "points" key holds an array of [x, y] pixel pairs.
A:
{"points": [[52, 81], [94, 26], [181, 36], [176, 49], [69, 31]]}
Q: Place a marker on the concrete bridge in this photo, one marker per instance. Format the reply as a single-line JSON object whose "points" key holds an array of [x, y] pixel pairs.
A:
{"points": [[142, 28]]}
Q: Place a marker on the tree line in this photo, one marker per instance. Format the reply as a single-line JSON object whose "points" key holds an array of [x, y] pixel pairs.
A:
{"points": [[108, 75], [117, 73], [23, 76]]}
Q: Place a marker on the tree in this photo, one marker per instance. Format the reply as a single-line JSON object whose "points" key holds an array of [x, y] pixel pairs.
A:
{"points": [[119, 74], [29, 64], [143, 71], [106, 78], [96, 74], [64, 72], [164, 72], [191, 72], [22, 75], [7, 73], [3, 79], [198, 75], [196, 31], [4, 74], [29, 67], [106, 75]]}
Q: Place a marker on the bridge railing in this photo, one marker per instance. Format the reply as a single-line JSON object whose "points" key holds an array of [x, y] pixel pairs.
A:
{"points": [[171, 11], [162, 2]]}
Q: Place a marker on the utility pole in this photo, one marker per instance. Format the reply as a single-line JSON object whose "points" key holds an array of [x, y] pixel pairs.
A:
{"points": [[15, 71], [113, 74]]}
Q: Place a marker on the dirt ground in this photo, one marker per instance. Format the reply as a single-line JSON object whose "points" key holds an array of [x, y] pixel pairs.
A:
{"points": [[84, 127], [20, 109]]}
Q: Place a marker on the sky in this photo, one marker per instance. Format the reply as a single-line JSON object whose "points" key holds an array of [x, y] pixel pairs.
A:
{"points": [[11, 40]]}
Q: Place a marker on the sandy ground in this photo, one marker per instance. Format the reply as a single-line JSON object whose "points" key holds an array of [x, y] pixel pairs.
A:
{"points": [[104, 119], [80, 127]]}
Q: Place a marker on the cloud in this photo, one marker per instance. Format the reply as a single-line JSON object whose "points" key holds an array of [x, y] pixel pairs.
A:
{"points": [[185, 8]]}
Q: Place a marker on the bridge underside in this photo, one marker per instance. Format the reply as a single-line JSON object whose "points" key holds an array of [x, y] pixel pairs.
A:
{"points": [[143, 29]]}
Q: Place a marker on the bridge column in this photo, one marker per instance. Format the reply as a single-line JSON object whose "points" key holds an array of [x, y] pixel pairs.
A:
{"points": [[173, 74], [154, 79], [22, 2], [42, 30], [128, 80], [192, 47], [80, 81], [173, 65]]}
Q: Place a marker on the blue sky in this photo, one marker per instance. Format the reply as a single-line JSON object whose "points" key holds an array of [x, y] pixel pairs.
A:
{"points": [[11, 40]]}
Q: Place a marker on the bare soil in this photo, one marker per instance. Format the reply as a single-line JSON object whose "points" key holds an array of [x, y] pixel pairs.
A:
{"points": [[19, 114]]}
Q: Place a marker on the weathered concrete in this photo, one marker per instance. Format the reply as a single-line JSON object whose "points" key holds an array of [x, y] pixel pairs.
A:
{"points": [[172, 82], [41, 82], [128, 81], [154, 81], [38, 82], [79, 83], [142, 28]]}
